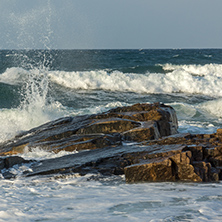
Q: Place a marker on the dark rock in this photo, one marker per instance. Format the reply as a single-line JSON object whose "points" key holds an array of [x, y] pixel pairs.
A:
{"points": [[169, 167], [8, 175], [157, 152], [159, 169], [2, 163], [8, 162], [148, 131], [11, 161], [134, 123], [197, 152]]}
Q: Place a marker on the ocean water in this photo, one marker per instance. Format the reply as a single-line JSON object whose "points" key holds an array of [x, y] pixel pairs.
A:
{"points": [[37, 86]]}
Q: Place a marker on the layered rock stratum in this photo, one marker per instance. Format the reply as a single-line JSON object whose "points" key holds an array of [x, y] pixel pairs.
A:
{"points": [[140, 141]]}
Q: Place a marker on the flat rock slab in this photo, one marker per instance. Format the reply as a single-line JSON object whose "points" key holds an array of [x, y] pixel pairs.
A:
{"points": [[103, 160], [138, 123]]}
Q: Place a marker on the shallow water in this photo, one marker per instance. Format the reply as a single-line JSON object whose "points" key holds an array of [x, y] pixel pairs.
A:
{"points": [[91, 198]]}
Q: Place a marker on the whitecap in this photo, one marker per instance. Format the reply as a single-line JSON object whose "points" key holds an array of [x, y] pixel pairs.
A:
{"points": [[13, 76], [212, 108], [195, 79]]}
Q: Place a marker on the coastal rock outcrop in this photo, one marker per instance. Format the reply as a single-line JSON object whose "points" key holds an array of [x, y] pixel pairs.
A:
{"points": [[198, 159], [140, 141], [134, 123]]}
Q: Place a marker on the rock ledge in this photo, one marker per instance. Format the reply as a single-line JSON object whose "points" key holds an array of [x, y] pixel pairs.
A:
{"points": [[140, 141]]}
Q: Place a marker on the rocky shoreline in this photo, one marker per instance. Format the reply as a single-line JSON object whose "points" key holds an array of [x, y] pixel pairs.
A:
{"points": [[140, 141]]}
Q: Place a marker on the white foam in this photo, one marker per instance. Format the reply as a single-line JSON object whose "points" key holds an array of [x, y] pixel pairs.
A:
{"points": [[110, 200], [213, 108], [17, 120], [101, 79], [196, 127], [36, 107], [114, 81], [182, 81], [191, 79], [14, 75], [98, 109], [200, 70], [38, 153], [21, 119], [204, 117], [184, 110]]}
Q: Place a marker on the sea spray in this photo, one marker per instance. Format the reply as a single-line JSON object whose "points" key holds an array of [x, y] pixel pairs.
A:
{"points": [[30, 71], [36, 106]]}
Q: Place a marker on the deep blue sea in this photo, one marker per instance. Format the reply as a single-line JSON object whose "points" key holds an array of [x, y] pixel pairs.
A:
{"points": [[37, 86]]}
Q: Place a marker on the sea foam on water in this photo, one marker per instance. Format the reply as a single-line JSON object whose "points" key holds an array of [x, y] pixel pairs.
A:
{"points": [[179, 79], [37, 107], [193, 91]]}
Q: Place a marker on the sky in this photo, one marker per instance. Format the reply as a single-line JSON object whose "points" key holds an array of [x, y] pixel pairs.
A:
{"points": [[110, 24]]}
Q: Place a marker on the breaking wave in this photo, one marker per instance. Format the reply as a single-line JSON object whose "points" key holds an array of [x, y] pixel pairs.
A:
{"points": [[199, 70], [38, 107], [17, 120], [190, 79], [35, 107]]}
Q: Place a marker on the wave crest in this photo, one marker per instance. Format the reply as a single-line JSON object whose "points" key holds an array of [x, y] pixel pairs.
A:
{"points": [[192, 79], [198, 70], [189, 79]]}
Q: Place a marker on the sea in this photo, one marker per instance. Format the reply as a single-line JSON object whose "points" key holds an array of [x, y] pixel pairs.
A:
{"points": [[38, 86]]}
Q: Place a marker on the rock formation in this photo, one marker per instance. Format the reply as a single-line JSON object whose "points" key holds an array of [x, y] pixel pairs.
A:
{"points": [[135, 123], [140, 141]]}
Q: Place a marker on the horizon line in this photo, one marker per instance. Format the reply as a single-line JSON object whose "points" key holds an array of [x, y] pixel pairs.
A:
{"points": [[140, 49]]}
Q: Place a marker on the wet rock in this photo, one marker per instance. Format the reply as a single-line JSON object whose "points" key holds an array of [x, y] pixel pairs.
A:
{"points": [[133, 123], [13, 160], [7, 162], [8, 175], [154, 170], [140, 141], [204, 171], [2, 163], [147, 131], [197, 152], [205, 155], [169, 167]]}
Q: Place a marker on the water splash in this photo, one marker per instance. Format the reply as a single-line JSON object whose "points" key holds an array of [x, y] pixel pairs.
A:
{"points": [[36, 106], [36, 87], [35, 91], [32, 26]]}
